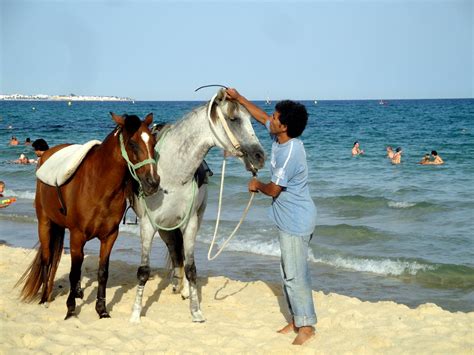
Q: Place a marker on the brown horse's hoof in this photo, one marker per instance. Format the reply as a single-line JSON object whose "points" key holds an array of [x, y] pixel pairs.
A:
{"points": [[70, 314], [79, 293], [104, 315]]}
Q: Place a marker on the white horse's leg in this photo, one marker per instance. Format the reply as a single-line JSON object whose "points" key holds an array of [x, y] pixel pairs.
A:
{"points": [[202, 203], [184, 285], [174, 242], [189, 238], [147, 233]]}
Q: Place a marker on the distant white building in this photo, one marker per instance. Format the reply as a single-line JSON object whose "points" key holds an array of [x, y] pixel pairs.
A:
{"points": [[44, 97]]}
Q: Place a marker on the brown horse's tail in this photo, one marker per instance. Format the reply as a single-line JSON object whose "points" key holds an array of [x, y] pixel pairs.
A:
{"points": [[33, 277]]}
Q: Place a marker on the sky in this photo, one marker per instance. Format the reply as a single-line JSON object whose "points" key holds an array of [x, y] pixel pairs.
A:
{"points": [[163, 50]]}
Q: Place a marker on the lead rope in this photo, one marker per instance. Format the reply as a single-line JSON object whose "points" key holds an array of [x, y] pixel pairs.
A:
{"points": [[244, 214], [236, 145]]}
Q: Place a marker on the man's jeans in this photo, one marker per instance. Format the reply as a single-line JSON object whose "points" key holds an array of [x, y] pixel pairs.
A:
{"points": [[296, 278]]}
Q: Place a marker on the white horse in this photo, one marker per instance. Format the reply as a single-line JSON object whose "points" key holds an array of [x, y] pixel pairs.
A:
{"points": [[176, 210]]}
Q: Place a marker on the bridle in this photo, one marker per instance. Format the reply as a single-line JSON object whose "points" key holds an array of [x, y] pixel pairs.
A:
{"points": [[234, 141], [133, 167]]}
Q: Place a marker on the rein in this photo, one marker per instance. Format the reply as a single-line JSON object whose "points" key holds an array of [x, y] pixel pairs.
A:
{"points": [[236, 146], [244, 214]]}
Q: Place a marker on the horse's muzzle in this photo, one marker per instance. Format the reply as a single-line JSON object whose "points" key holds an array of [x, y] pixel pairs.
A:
{"points": [[150, 184], [254, 158]]}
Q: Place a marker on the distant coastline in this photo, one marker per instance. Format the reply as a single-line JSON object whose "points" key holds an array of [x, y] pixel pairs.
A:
{"points": [[71, 97]]}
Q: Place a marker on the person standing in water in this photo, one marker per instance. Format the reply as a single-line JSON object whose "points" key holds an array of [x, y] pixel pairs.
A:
{"points": [[397, 157], [356, 149], [437, 159], [293, 210]]}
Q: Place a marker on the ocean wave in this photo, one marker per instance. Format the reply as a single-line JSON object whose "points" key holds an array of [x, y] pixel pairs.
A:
{"points": [[347, 233], [133, 229], [359, 205], [19, 217], [384, 267], [29, 195], [446, 276], [353, 201]]}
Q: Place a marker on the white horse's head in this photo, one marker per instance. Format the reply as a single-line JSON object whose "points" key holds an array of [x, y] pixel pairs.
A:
{"points": [[233, 131]]}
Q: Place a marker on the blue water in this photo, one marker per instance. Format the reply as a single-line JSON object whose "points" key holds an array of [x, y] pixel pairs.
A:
{"points": [[385, 232]]}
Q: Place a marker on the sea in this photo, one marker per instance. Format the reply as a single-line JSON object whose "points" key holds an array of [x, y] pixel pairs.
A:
{"points": [[402, 233]]}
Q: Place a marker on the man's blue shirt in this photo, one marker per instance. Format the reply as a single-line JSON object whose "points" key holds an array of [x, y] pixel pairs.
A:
{"points": [[293, 210]]}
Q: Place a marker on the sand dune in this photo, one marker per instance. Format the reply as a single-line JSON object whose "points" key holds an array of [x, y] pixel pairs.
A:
{"points": [[241, 317]]}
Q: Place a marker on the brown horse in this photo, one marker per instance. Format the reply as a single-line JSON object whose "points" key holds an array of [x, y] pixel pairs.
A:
{"points": [[90, 204]]}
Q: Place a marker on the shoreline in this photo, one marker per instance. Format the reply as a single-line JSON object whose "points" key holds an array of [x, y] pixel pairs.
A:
{"points": [[241, 317], [245, 266]]}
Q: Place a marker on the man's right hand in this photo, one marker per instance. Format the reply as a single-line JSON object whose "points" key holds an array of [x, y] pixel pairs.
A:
{"points": [[233, 94], [256, 112]]}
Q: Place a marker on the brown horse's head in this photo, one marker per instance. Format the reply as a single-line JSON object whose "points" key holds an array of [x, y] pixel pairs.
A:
{"points": [[139, 145]]}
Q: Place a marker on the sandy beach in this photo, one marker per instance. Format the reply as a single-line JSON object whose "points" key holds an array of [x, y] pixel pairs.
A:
{"points": [[241, 317]]}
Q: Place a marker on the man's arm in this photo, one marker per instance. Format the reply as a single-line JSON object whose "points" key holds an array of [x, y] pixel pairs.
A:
{"points": [[270, 189], [260, 115]]}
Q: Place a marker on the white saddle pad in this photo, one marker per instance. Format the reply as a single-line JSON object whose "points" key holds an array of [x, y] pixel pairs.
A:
{"points": [[61, 165]]}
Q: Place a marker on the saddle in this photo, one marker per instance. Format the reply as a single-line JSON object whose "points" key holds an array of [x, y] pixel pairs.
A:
{"points": [[62, 164]]}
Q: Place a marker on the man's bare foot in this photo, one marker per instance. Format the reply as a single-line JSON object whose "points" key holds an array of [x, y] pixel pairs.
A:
{"points": [[290, 327], [304, 334]]}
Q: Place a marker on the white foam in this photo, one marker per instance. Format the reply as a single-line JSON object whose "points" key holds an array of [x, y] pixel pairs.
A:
{"points": [[29, 195], [130, 228], [380, 267], [401, 204]]}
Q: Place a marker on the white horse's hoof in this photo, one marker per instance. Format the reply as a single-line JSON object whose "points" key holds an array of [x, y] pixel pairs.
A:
{"points": [[198, 317], [135, 318], [177, 289], [185, 293]]}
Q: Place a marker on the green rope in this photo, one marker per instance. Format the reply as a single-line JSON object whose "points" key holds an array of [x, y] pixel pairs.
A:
{"points": [[185, 219], [191, 204]]}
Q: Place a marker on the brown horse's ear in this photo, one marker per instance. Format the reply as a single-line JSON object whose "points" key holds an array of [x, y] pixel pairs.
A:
{"points": [[148, 119], [118, 119]]}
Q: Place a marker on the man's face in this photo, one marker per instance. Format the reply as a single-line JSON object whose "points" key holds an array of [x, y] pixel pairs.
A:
{"points": [[275, 124], [38, 153], [2, 188]]}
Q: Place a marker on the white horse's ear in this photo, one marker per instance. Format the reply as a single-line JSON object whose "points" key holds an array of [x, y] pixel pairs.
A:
{"points": [[221, 96], [118, 119], [148, 119]]}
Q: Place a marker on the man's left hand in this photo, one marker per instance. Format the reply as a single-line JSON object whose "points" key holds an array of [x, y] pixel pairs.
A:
{"points": [[253, 185]]}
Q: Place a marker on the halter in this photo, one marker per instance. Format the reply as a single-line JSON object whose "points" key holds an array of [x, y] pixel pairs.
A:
{"points": [[230, 135], [132, 167]]}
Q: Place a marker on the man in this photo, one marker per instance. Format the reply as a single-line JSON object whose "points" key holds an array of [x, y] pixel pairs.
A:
{"points": [[397, 157], [356, 149], [437, 159], [293, 210], [40, 146]]}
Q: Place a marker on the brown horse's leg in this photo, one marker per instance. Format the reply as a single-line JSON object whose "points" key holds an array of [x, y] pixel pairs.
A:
{"points": [[106, 245], [56, 248], [44, 234], [77, 242]]}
